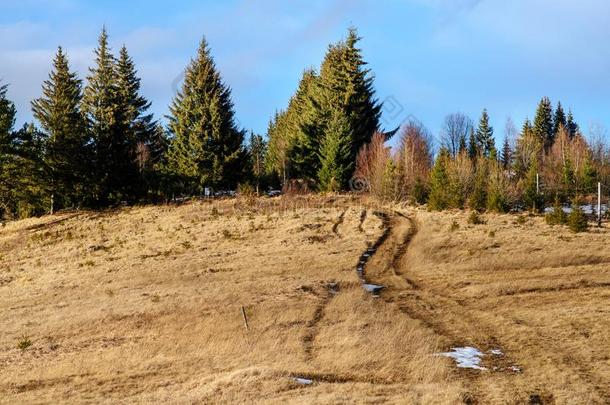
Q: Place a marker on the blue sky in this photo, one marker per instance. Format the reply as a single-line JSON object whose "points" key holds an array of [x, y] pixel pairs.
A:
{"points": [[430, 57]]}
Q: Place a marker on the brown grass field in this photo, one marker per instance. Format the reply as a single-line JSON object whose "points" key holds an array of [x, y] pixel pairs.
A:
{"points": [[144, 305]]}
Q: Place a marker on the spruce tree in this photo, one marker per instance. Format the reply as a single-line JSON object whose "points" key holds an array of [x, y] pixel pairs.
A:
{"points": [[67, 152], [138, 127], [7, 180], [257, 149], [543, 123], [571, 125], [278, 148], [343, 84], [439, 197], [207, 147], [362, 107], [22, 192], [335, 155], [506, 157], [531, 198], [8, 112], [577, 220], [473, 149], [462, 146], [559, 120], [113, 155], [478, 197], [484, 136], [301, 130]]}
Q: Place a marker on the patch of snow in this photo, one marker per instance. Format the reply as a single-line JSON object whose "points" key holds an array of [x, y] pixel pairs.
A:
{"points": [[373, 288], [303, 381], [515, 369], [466, 357], [587, 209], [496, 352]]}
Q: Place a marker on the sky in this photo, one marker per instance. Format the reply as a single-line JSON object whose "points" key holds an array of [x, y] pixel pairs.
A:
{"points": [[429, 57]]}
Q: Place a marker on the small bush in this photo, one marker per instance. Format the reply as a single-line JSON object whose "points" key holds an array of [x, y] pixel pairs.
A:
{"points": [[557, 216], [24, 343], [475, 219], [577, 220], [521, 220], [247, 193], [454, 226], [227, 234]]}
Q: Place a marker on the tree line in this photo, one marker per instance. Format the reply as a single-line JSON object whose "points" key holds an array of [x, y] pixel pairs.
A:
{"points": [[97, 144], [547, 161]]}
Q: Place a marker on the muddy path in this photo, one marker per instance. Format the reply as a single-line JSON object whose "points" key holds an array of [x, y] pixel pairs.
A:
{"points": [[461, 323]]}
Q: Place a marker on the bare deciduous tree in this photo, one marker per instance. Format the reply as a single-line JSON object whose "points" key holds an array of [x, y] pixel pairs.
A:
{"points": [[371, 163], [454, 132], [414, 157]]}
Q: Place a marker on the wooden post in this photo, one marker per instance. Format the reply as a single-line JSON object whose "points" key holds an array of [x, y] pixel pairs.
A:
{"points": [[599, 204], [243, 312]]}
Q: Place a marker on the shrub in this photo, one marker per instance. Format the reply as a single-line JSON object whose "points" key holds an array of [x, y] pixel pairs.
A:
{"points": [[557, 216], [24, 343], [521, 220], [247, 193], [454, 226], [475, 219], [577, 220]]}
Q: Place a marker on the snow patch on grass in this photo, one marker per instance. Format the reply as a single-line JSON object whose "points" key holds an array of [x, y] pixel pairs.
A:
{"points": [[466, 357]]}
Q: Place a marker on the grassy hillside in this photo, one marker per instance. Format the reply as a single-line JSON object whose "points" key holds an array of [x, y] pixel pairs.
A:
{"points": [[145, 305]]}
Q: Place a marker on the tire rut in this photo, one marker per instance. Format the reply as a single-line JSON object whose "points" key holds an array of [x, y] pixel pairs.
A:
{"points": [[339, 222], [449, 318], [312, 329]]}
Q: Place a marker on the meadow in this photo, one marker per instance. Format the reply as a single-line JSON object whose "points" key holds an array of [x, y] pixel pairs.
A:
{"points": [[259, 301]]}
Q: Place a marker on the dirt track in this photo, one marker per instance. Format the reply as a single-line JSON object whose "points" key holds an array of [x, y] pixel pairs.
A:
{"points": [[532, 353]]}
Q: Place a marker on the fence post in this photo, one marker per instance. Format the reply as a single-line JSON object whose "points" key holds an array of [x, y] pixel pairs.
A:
{"points": [[599, 204], [243, 313]]}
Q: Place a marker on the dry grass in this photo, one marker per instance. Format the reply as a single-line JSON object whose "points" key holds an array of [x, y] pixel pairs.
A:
{"points": [[539, 293], [144, 305]]}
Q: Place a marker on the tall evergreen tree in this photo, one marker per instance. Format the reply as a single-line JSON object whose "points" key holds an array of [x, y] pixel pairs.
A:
{"points": [[335, 155], [278, 148], [257, 149], [362, 107], [113, 156], [300, 128], [506, 157], [343, 84], [571, 125], [8, 112], [7, 180], [462, 146], [543, 123], [207, 147], [473, 148], [138, 127], [137, 122], [485, 136], [559, 120], [21, 193], [67, 152]]}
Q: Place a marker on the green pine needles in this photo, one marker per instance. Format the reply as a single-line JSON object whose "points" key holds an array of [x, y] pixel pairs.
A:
{"points": [[207, 148]]}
